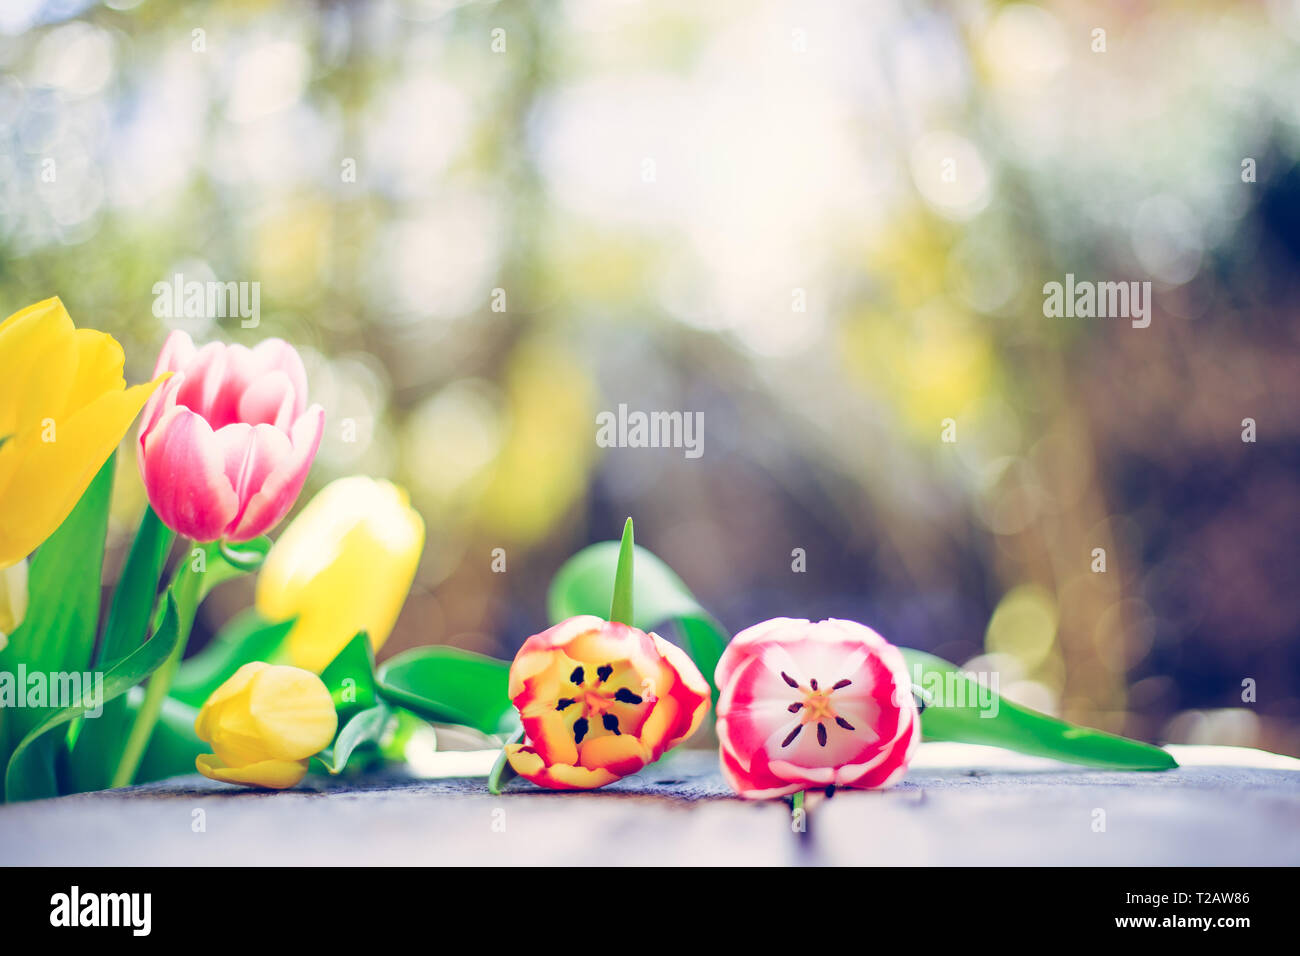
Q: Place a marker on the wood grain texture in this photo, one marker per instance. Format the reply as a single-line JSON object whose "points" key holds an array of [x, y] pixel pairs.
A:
{"points": [[986, 810]]}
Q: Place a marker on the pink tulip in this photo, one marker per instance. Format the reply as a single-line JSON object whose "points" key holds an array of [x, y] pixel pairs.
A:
{"points": [[810, 705], [225, 445]]}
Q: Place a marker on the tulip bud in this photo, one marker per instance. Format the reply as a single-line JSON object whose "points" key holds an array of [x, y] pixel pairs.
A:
{"points": [[343, 565], [226, 445], [265, 723], [807, 705]]}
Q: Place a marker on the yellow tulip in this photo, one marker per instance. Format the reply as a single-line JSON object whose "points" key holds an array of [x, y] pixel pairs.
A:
{"points": [[265, 723], [64, 407], [344, 565], [13, 600]]}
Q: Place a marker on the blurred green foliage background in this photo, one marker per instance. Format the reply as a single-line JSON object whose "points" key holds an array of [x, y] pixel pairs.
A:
{"points": [[826, 226]]}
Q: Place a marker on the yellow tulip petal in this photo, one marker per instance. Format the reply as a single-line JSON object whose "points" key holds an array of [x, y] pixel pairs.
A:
{"points": [[98, 369], [272, 774], [620, 755], [38, 361], [292, 711], [237, 683], [41, 481]]}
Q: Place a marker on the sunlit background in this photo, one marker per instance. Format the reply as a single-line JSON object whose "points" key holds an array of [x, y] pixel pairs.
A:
{"points": [[825, 226]]}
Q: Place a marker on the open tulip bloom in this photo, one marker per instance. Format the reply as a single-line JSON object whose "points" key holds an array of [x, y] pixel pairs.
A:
{"points": [[599, 700], [813, 705]]}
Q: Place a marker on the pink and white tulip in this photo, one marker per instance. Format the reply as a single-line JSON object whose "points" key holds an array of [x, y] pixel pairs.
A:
{"points": [[225, 445], [807, 706]]}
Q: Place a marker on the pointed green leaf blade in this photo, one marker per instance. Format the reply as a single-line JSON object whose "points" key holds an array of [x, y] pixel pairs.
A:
{"points": [[621, 604], [365, 727], [585, 585], [1014, 727]]}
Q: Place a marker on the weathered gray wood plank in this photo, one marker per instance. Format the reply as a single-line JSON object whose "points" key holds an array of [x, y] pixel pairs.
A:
{"points": [[680, 812]]}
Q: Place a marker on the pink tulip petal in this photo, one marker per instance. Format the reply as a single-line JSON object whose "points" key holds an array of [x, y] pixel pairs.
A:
{"points": [[270, 399], [277, 493], [202, 381], [177, 353], [185, 476], [277, 355]]}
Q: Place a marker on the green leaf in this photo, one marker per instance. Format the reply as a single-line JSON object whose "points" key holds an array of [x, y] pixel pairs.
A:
{"points": [[58, 631], [585, 585], [502, 773], [365, 727], [174, 744], [29, 775], [246, 637], [450, 685], [621, 604], [350, 677], [136, 592], [97, 744], [1017, 728]]}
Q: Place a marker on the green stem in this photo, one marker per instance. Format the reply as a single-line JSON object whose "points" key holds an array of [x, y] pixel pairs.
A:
{"points": [[187, 588], [502, 773], [620, 608]]}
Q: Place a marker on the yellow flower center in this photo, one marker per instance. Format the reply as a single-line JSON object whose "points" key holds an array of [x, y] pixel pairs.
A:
{"points": [[597, 701], [815, 708]]}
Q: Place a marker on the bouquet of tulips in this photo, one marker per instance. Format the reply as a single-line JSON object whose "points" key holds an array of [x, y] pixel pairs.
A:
{"points": [[224, 445]]}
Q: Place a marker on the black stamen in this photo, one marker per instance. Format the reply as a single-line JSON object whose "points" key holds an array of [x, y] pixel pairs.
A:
{"points": [[577, 675], [611, 723], [789, 680], [603, 672], [793, 734], [579, 729], [821, 733], [795, 707], [844, 723], [563, 702], [842, 683], [626, 696], [813, 683]]}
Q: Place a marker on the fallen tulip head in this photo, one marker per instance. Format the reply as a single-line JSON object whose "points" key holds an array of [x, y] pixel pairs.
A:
{"points": [[598, 701], [808, 705], [226, 445], [265, 723]]}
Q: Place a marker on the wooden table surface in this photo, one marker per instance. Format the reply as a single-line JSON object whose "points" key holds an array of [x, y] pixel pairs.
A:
{"points": [[959, 805]]}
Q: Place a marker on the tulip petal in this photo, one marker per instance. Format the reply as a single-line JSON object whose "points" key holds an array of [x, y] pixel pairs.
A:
{"points": [[619, 755], [271, 774], [269, 400], [184, 473], [272, 501], [529, 765], [293, 712], [48, 477], [38, 363]]}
